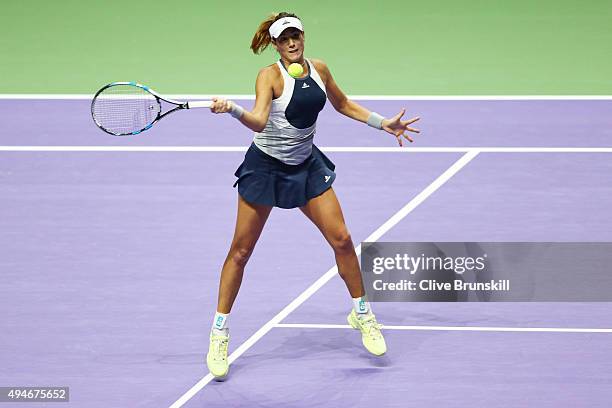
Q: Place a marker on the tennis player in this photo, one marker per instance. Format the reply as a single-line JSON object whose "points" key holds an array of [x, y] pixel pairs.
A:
{"points": [[283, 168]]}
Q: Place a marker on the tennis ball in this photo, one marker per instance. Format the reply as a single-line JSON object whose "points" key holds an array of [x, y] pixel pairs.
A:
{"points": [[295, 70]]}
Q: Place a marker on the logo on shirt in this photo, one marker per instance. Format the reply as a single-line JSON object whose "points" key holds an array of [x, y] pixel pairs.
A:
{"points": [[327, 178], [305, 85]]}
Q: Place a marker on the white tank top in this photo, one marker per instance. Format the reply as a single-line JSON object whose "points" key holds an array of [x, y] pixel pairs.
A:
{"points": [[289, 133]]}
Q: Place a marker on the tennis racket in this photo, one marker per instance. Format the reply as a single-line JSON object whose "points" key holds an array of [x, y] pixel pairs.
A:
{"points": [[129, 108]]}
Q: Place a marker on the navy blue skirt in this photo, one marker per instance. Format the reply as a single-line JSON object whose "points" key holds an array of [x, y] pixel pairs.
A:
{"points": [[265, 180]]}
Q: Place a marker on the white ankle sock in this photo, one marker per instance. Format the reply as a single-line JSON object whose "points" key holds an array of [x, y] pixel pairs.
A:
{"points": [[220, 324], [361, 305]]}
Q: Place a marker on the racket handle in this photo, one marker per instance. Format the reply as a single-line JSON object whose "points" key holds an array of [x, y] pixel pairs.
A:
{"points": [[198, 104]]}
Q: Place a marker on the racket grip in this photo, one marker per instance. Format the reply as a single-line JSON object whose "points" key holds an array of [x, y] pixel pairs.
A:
{"points": [[198, 104]]}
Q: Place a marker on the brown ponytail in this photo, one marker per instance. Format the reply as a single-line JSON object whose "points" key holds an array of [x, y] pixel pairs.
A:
{"points": [[262, 38]]}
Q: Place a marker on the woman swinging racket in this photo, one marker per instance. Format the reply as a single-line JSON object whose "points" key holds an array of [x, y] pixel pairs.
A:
{"points": [[283, 168]]}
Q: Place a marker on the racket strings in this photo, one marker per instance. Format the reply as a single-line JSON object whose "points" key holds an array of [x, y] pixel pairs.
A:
{"points": [[125, 109]]}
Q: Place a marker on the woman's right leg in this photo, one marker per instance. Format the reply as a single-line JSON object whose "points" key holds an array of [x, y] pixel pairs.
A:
{"points": [[250, 221]]}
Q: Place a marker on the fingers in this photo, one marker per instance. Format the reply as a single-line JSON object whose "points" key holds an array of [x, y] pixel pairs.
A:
{"points": [[399, 134], [403, 123], [216, 102], [399, 139], [397, 117], [220, 105], [397, 127], [408, 122]]}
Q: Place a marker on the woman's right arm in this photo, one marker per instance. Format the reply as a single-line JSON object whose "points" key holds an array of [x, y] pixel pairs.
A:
{"points": [[257, 118]]}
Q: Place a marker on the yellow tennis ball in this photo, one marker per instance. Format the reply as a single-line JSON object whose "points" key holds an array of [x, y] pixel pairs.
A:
{"points": [[295, 70]]}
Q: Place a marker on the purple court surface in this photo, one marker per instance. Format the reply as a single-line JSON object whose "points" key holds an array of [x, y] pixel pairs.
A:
{"points": [[110, 260]]}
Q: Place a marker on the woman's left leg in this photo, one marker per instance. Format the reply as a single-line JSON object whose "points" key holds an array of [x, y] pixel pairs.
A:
{"points": [[325, 212]]}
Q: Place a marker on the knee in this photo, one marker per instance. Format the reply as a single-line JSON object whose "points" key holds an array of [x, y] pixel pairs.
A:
{"points": [[240, 254], [342, 243]]}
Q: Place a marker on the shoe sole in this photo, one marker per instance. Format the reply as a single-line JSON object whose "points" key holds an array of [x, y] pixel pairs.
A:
{"points": [[221, 378]]}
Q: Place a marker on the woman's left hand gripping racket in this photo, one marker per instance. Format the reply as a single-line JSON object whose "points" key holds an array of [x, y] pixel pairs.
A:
{"points": [[128, 108]]}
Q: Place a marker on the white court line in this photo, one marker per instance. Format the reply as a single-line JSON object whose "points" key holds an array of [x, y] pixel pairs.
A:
{"points": [[380, 231], [353, 97], [450, 328], [332, 149]]}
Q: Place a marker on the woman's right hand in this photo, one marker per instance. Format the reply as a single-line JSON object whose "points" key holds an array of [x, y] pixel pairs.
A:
{"points": [[220, 105]]}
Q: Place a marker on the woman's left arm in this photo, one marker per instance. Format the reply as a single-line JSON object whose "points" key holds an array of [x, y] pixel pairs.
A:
{"points": [[395, 125]]}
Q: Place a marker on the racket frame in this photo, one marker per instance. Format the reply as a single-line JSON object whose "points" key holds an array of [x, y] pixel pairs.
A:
{"points": [[158, 98]]}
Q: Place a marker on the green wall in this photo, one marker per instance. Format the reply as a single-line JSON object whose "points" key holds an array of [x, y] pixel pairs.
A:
{"points": [[372, 47]]}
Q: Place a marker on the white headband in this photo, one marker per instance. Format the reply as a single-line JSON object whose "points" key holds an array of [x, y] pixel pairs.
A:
{"points": [[281, 24]]}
